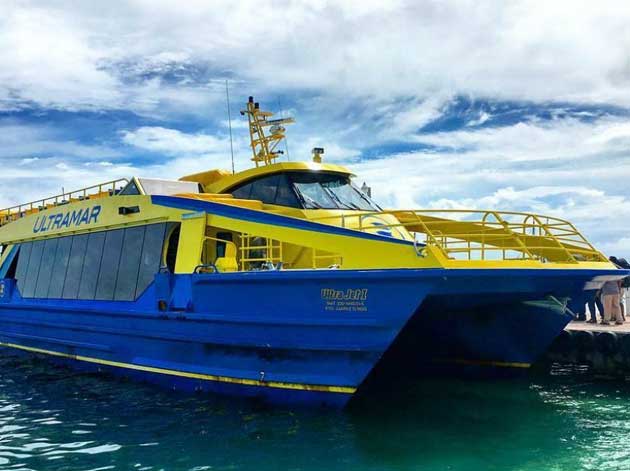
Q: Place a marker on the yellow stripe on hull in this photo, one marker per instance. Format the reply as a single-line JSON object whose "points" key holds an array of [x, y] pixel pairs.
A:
{"points": [[184, 374], [501, 364]]}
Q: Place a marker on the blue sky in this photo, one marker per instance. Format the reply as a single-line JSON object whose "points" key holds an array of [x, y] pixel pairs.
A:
{"points": [[513, 105]]}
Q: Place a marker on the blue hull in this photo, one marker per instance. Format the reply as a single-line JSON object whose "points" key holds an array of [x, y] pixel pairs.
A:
{"points": [[299, 337]]}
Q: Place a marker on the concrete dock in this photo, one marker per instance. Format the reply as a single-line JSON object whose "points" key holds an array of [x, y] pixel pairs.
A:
{"points": [[604, 348], [585, 326]]}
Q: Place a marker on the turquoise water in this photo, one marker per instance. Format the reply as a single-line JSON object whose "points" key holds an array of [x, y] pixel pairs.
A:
{"points": [[55, 419]]}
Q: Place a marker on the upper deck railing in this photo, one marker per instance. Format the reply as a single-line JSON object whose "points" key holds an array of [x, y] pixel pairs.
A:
{"points": [[480, 234], [101, 190]]}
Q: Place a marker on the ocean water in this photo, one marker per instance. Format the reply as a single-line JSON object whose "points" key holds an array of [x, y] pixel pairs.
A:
{"points": [[52, 418]]}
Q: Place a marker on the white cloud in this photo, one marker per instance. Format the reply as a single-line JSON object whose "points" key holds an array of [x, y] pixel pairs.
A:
{"points": [[237, 124], [78, 55], [189, 153], [172, 141], [333, 151], [408, 119], [483, 117], [49, 58], [619, 247], [538, 140], [30, 143], [47, 177], [367, 73]]}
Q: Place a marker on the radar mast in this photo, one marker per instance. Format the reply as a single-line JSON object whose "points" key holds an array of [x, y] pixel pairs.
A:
{"points": [[264, 145]]}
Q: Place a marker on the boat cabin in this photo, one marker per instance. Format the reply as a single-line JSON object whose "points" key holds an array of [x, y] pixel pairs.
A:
{"points": [[108, 241], [301, 185]]}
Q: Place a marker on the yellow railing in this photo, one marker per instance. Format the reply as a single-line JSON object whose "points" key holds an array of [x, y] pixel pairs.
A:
{"points": [[256, 251], [479, 234], [101, 190], [328, 259]]}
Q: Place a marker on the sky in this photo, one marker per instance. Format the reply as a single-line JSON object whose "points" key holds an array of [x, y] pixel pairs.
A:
{"points": [[514, 105]]}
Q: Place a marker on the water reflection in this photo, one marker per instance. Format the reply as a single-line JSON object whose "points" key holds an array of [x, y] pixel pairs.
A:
{"points": [[54, 419]]}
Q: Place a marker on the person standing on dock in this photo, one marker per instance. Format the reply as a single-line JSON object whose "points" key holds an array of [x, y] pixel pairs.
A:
{"points": [[594, 305], [612, 310], [623, 284]]}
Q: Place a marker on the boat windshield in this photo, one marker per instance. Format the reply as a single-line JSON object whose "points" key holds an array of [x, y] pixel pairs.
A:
{"points": [[330, 191], [309, 190]]}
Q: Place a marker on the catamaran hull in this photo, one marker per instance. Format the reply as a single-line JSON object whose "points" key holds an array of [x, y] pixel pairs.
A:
{"points": [[310, 337]]}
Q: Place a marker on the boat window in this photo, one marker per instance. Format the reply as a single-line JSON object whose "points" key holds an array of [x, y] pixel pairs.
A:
{"points": [[4, 266], [9, 267], [316, 190], [129, 264], [112, 265], [171, 250], [313, 194], [46, 268], [91, 265], [286, 194], [330, 191], [243, 192], [109, 265], [23, 258], [130, 189], [349, 196], [272, 189], [221, 246], [60, 267], [30, 281], [151, 255], [265, 189], [75, 265]]}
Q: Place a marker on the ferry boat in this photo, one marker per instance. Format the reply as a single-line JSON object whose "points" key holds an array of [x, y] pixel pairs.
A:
{"points": [[284, 281]]}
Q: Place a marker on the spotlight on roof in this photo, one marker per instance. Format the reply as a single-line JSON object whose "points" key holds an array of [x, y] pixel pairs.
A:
{"points": [[317, 154]]}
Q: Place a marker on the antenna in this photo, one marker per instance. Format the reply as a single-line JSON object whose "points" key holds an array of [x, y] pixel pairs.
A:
{"points": [[227, 95], [286, 140]]}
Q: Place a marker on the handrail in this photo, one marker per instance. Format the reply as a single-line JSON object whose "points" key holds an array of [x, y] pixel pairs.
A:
{"points": [[199, 268], [482, 233], [101, 190]]}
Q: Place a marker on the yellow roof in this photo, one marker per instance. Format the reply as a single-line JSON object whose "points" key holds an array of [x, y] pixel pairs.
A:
{"points": [[217, 181], [207, 177]]}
